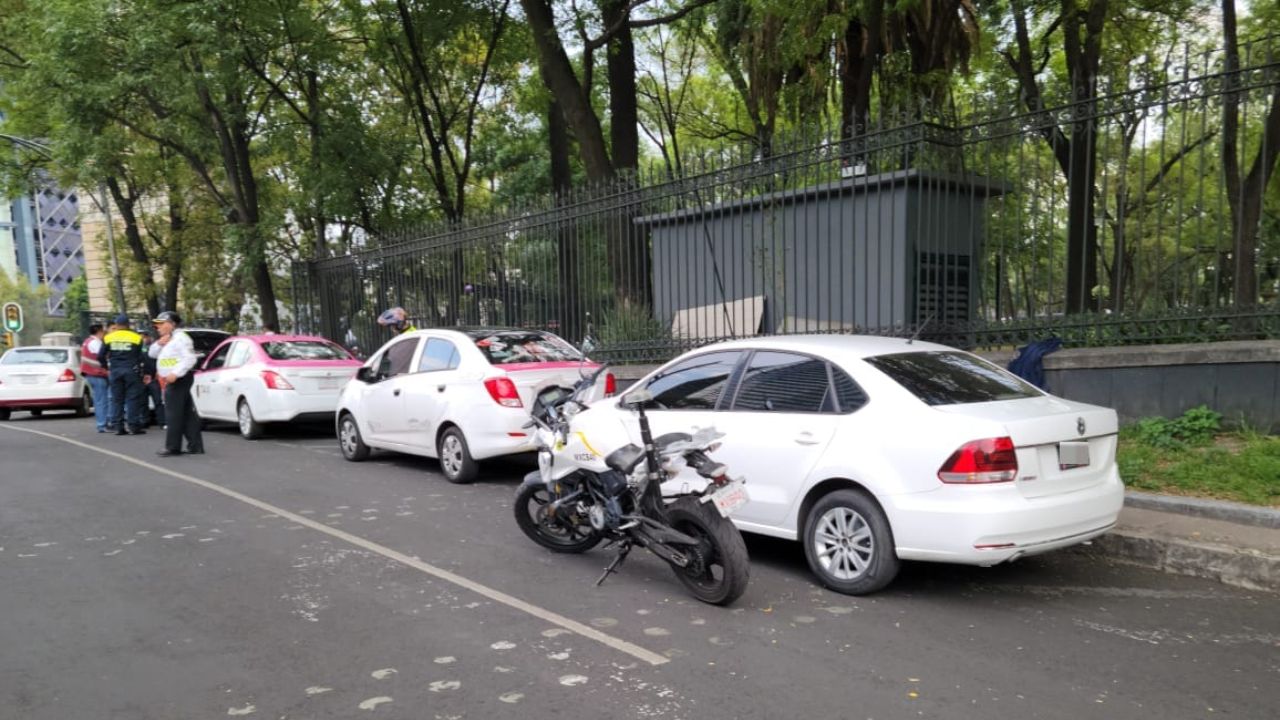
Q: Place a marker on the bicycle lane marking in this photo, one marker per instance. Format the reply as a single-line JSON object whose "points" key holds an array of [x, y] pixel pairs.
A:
{"points": [[498, 596]]}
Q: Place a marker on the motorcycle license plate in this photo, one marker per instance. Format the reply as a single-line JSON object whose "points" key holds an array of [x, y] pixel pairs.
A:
{"points": [[730, 498]]}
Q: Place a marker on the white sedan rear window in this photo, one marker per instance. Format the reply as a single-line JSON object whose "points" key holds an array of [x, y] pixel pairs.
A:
{"points": [[952, 378], [35, 356], [511, 347], [304, 350]]}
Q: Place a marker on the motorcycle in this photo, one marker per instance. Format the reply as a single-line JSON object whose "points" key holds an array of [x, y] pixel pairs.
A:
{"points": [[578, 497]]}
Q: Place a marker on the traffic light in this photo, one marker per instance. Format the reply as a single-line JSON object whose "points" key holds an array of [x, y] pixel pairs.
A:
{"points": [[12, 317], [9, 339]]}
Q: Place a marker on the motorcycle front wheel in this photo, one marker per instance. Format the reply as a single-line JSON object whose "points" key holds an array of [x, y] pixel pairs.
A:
{"points": [[565, 533], [719, 570]]}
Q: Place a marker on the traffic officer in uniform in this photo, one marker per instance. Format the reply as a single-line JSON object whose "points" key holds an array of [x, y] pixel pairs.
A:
{"points": [[396, 319], [176, 358], [121, 355]]}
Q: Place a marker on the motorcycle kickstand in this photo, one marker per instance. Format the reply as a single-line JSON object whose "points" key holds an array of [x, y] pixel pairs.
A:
{"points": [[613, 566]]}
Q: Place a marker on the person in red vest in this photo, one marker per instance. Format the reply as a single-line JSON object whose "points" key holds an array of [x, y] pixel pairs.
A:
{"points": [[96, 375]]}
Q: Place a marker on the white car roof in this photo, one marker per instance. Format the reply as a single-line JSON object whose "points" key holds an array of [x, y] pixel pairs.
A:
{"points": [[831, 345]]}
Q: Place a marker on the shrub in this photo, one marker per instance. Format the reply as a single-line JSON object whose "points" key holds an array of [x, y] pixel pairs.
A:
{"points": [[1196, 427]]}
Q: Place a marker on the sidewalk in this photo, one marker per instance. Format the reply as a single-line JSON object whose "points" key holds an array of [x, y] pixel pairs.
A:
{"points": [[1235, 544]]}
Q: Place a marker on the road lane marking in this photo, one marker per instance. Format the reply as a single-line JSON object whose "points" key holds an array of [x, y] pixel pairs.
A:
{"points": [[496, 595]]}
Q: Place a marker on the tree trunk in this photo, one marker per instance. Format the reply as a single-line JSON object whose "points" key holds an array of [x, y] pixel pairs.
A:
{"points": [[319, 222], [560, 79], [1082, 233], [174, 250], [126, 204], [1245, 195], [1084, 53], [1076, 155], [624, 120], [569, 312]]}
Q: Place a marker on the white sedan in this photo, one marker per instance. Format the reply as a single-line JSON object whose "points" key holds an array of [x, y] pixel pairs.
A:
{"points": [[257, 379], [460, 395], [43, 378], [872, 450]]}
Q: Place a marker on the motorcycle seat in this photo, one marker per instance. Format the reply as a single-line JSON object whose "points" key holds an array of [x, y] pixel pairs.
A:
{"points": [[662, 442], [625, 459]]}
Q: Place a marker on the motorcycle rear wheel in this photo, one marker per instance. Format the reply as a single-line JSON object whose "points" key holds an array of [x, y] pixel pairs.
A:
{"points": [[568, 535], [720, 570]]}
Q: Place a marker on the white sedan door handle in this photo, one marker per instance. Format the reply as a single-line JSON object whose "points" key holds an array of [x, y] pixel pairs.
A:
{"points": [[806, 438]]}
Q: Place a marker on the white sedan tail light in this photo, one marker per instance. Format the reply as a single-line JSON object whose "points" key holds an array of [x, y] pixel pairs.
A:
{"points": [[991, 460], [275, 381]]}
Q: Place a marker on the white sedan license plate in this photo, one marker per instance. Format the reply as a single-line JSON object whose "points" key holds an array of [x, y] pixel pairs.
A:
{"points": [[331, 383], [731, 497], [1073, 455]]}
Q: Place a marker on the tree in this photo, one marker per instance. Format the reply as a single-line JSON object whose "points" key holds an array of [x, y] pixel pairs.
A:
{"points": [[1245, 189]]}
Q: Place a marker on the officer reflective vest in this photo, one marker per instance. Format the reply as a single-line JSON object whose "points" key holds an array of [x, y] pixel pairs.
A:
{"points": [[90, 366], [122, 349]]}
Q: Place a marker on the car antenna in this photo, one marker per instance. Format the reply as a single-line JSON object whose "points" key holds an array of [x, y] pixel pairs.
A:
{"points": [[920, 327]]}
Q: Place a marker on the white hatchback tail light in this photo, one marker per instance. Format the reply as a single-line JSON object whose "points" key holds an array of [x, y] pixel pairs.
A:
{"points": [[67, 376], [991, 460], [503, 392]]}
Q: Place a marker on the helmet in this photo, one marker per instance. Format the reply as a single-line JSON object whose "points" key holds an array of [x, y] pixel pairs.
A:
{"points": [[395, 317]]}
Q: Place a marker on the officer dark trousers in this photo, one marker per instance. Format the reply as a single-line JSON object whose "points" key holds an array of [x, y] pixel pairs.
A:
{"points": [[180, 411], [127, 393]]}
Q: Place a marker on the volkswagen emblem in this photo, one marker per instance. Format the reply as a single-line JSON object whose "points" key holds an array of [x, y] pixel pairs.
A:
{"points": [[1080, 426]]}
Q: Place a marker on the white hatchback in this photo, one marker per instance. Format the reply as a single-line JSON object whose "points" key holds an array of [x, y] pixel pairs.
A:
{"points": [[460, 395], [253, 380], [871, 450], [43, 378]]}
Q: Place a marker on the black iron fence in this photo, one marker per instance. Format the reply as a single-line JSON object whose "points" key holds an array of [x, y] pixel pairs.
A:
{"points": [[1108, 221]]}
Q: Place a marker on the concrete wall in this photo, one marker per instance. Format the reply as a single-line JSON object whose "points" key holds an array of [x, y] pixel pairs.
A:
{"points": [[1241, 380]]}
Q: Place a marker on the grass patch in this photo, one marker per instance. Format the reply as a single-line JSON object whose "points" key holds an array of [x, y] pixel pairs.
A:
{"points": [[1191, 456]]}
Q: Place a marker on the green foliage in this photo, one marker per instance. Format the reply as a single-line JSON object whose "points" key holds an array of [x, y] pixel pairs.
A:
{"points": [[1239, 467], [1188, 455], [1194, 428], [76, 303], [345, 137], [631, 323]]}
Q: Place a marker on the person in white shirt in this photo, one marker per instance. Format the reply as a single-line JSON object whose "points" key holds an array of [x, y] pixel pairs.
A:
{"points": [[175, 364]]}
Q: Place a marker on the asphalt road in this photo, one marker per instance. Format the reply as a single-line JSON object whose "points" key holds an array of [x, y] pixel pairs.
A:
{"points": [[272, 579]]}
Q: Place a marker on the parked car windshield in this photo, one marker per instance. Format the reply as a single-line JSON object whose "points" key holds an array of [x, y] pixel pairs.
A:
{"points": [[303, 350], [952, 378], [35, 356], [516, 346]]}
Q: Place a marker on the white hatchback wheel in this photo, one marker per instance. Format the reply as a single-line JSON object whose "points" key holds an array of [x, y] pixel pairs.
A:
{"points": [[455, 457], [349, 440]]}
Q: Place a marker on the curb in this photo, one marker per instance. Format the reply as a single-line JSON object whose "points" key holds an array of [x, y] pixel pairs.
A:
{"points": [[1244, 568], [1215, 509], [1231, 563]]}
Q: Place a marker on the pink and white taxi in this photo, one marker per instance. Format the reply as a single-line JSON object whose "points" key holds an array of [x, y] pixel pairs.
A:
{"points": [[461, 395], [252, 380]]}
